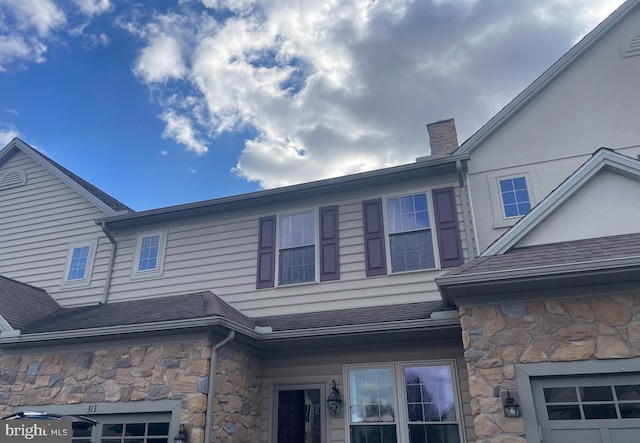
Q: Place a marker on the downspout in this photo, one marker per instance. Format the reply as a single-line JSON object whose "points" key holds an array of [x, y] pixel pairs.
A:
{"points": [[212, 390], [112, 259], [471, 244]]}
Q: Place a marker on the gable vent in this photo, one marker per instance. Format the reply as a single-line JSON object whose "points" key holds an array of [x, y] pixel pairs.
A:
{"points": [[631, 46], [13, 179]]}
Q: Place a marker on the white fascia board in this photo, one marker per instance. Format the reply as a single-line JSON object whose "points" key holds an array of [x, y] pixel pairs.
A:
{"points": [[541, 83], [16, 142], [601, 159]]}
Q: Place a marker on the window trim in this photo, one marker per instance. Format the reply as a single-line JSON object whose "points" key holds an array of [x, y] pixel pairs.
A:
{"points": [[495, 194], [316, 246], [162, 246], [399, 395], [432, 229], [86, 280]]}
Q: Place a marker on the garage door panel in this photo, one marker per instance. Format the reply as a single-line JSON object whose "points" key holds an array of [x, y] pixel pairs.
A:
{"points": [[573, 435]]}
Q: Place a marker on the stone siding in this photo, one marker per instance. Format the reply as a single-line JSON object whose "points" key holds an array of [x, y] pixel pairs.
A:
{"points": [[238, 389], [129, 374], [497, 337]]}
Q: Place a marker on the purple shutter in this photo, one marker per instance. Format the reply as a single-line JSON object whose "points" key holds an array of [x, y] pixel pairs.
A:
{"points": [[444, 202], [265, 277], [374, 252], [329, 248]]}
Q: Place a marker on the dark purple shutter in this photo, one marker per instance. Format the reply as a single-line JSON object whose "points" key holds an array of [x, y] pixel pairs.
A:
{"points": [[266, 252], [329, 248], [374, 252], [444, 202]]}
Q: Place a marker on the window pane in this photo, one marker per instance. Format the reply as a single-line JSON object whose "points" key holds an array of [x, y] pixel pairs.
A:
{"points": [[297, 230], [515, 197], [407, 213], [373, 434], [297, 265], [411, 251], [149, 253], [630, 410], [628, 392], [559, 395], [78, 266], [158, 429], [563, 412], [599, 412], [371, 395], [596, 393], [134, 429], [430, 395], [112, 430]]}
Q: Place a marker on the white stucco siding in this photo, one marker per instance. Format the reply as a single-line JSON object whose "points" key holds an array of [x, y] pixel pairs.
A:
{"points": [[219, 253], [591, 105], [606, 206], [39, 220]]}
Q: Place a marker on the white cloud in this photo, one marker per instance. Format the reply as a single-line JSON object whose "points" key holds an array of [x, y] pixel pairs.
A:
{"points": [[41, 15], [180, 129], [164, 153], [93, 7], [161, 60], [6, 135]]}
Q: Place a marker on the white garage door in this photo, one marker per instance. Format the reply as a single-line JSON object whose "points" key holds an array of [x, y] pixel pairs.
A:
{"points": [[591, 409]]}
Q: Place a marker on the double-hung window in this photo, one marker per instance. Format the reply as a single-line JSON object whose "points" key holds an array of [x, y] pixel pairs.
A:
{"points": [[410, 233], [149, 255], [297, 249], [415, 403], [79, 264]]}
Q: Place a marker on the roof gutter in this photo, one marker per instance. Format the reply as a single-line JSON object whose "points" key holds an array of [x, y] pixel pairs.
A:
{"points": [[220, 321]]}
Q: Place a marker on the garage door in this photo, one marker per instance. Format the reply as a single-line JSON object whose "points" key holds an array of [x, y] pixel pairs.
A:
{"points": [[591, 409], [126, 428]]}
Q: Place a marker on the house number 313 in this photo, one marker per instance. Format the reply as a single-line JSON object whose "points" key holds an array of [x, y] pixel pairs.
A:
{"points": [[92, 409]]}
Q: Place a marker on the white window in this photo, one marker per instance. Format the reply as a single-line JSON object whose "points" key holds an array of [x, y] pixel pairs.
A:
{"points": [[150, 251], [297, 250], [403, 402], [512, 195], [411, 242], [79, 264]]}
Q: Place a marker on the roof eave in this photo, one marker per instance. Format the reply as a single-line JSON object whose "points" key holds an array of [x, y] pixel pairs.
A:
{"points": [[436, 166]]}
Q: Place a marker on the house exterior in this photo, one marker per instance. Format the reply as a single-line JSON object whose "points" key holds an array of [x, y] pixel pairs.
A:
{"points": [[424, 294], [235, 316]]}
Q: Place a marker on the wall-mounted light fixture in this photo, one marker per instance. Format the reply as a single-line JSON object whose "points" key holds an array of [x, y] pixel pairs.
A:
{"points": [[181, 436], [511, 406], [334, 401]]}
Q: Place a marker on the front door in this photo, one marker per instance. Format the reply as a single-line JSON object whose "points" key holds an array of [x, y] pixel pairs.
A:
{"points": [[298, 415]]}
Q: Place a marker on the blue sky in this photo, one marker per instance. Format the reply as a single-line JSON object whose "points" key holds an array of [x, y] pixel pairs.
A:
{"points": [[174, 101]]}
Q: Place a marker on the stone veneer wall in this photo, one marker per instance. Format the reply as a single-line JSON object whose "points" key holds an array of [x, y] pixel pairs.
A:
{"points": [[237, 406], [129, 374], [497, 337]]}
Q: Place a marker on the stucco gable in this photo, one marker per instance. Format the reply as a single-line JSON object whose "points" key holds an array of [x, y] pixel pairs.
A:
{"points": [[583, 206]]}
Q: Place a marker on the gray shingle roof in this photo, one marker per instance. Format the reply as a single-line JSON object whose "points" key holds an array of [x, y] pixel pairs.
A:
{"points": [[577, 251], [22, 304], [179, 307]]}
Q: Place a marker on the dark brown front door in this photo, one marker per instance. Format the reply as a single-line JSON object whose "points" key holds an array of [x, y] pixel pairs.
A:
{"points": [[291, 416]]}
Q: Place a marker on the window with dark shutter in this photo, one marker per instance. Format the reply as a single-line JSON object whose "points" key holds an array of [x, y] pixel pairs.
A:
{"points": [[374, 239], [329, 247], [449, 244], [266, 252]]}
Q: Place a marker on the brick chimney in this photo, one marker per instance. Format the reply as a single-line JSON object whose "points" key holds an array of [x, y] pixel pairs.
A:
{"points": [[443, 138]]}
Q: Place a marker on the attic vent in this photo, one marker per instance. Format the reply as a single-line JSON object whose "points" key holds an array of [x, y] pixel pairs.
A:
{"points": [[631, 46], [13, 179]]}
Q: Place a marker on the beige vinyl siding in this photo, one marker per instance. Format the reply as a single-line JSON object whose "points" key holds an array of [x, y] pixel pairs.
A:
{"points": [[218, 253], [38, 222], [324, 365]]}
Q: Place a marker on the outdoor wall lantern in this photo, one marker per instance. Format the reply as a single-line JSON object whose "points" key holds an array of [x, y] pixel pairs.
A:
{"points": [[511, 406], [181, 436], [334, 401]]}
